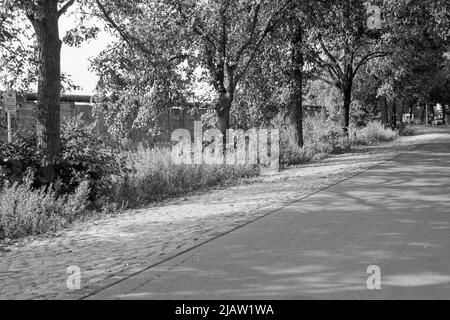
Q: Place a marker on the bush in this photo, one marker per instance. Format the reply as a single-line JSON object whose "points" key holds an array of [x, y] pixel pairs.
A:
{"points": [[371, 134], [321, 136], [406, 130], [25, 211], [19, 158], [84, 157]]}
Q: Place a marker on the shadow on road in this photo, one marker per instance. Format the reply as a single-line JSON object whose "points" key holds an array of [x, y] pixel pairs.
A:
{"points": [[395, 216]]}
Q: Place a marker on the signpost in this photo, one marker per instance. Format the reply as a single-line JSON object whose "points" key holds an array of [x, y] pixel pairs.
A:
{"points": [[10, 105], [10, 101]]}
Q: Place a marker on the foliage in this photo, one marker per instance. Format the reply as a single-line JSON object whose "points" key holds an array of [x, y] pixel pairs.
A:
{"points": [[153, 176], [340, 44], [372, 133], [323, 136], [361, 113], [84, 157], [417, 51], [152, 67], [319, 93], [264, 92], [25, 211], [406, 130], [19, 51], [19, 158]]}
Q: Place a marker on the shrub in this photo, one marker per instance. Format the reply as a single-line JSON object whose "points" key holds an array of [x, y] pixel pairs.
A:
{"points": [[406, 130], [25, 211], [84, 157], [321, 136], [371, 134], [19, 158]]}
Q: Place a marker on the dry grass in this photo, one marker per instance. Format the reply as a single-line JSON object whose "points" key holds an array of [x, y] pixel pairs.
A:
{"points": [[373, 133], [321, 135], [153, 176], [28, 212]]}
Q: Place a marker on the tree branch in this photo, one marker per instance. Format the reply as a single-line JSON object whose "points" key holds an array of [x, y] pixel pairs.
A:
{"points": [[196, 27], [252, 32], [326, 65], [327, 81], [65, 7], [330, 56], [271, 24], [111, 21], [367, 58]]}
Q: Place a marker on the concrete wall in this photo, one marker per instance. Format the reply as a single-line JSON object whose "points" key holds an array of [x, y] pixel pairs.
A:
{"points": [[176, 118], [26, 113], [168, 121]]}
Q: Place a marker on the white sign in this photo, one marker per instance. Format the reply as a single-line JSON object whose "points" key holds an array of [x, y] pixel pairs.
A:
{"points": [[10, 101]]}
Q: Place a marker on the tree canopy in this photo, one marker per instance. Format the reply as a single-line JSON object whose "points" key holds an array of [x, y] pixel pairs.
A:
{"points": [[254, 58]]}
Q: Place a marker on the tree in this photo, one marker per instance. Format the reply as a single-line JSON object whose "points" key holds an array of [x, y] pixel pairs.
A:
{"points": [[275, 80], [146, 71], [417, 54], [229, 34], [439, 88], [264, 92], [341, 45], [43, 16], [223, 37]]}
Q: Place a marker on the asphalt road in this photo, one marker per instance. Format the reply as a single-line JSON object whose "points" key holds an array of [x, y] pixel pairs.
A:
{"points": [[394, 218]]}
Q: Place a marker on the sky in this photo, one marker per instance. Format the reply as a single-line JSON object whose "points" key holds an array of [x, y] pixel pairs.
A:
{"points": [[75, 61]]}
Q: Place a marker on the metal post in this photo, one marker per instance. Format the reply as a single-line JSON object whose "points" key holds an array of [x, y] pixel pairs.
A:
{"points": [[426, 113], [9, 127], [7, 105]]}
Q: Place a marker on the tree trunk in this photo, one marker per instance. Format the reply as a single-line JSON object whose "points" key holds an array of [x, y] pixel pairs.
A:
{"points": [[223, 107], [49, 85], [422, 113], [345, 111], [296, 81], [444, 114], [384, 114], [394, 115], [223, 76], [400, 115], [411, 112]]}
